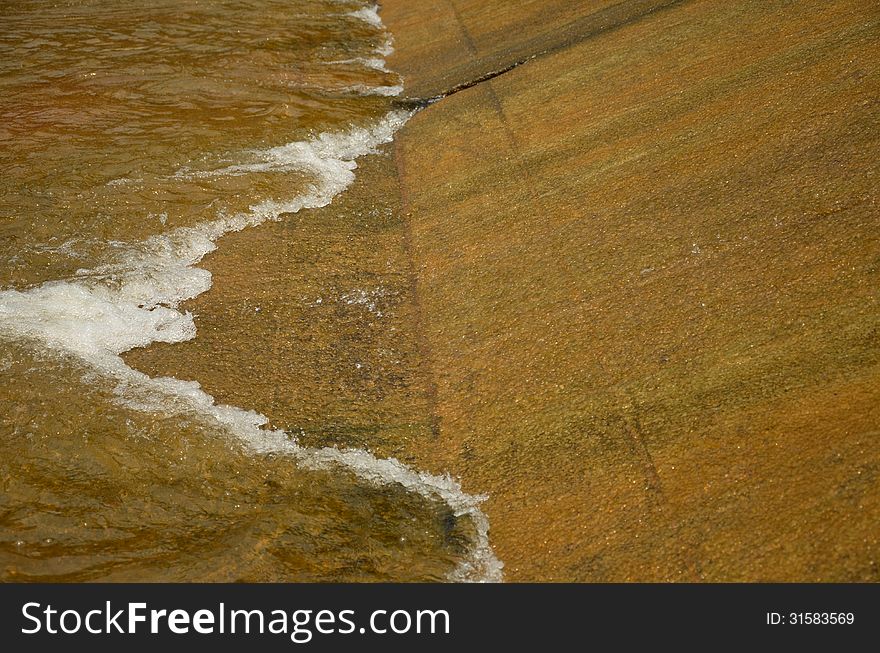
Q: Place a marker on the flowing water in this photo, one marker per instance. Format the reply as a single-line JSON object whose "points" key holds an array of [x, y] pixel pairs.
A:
{"points": [[134, 137]]}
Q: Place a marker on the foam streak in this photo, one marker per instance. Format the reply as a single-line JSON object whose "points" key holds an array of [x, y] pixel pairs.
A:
{"points": [[133, 302]]}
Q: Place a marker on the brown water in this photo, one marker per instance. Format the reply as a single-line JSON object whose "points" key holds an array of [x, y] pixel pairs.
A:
{"points": [[134, 137]]}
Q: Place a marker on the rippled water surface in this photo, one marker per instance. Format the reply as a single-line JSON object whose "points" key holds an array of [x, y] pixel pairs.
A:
{"points": [[106, 106], [134, 136]]}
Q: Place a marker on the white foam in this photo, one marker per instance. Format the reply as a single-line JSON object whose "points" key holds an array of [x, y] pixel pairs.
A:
{"points": [[369, 15], [367, 62], [132, 302], [92, 322], [329, 156], [364, 89], [387, 48], [149, 394]]}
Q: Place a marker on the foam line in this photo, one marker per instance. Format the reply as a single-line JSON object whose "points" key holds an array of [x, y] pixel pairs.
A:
{"points": [[364, 89], [369, 15], [375, 63], [132, 302]]}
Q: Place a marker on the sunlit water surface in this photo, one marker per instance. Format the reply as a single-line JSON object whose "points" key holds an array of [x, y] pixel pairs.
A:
{"points": [[134, 136]]}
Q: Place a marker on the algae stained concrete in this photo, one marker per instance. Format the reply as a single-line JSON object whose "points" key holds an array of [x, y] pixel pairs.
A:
{"points": [[648, 268]]}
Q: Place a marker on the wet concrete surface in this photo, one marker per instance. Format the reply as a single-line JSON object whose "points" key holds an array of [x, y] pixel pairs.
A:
{"points": [[627, 288], [648, 269]]}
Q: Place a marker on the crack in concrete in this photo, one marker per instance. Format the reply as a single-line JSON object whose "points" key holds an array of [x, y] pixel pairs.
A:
{"points": [[421, 103]]}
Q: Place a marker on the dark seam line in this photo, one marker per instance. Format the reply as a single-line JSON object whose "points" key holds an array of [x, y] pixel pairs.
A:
{"points": [[421, 103]]}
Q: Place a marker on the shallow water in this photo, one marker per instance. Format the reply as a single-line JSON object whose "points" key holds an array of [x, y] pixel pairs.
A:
{"points": [[134, 138]]}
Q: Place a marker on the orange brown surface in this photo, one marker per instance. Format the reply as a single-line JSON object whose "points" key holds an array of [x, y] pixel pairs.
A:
{"points": [[631, 287], [648, 269]]}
